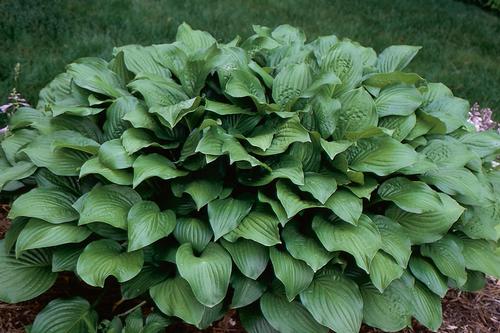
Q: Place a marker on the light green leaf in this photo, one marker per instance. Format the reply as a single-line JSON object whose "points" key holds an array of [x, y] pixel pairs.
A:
{"points": [[50, 204], [447, 153], [295, 274], [286, 167], [479, 255], [202, 191], [358, 112], [362, 240], [225, 215], [482, 143], [451, 111], [345, 61], [250, 257], [380, 155], [20, 170], [171, 115], [139, 59], [334, 147], [320, 185], [396, 57], [288, 317], [147, 224], [400, 125], [394, 239], [26, 277], [93, 74], [429, 226], [109, 204], [382, 80], [260, 225], [73, 315], [224, 109], [290, 83], [245, 84], [427, 307], [135, 139], [345, 205], [39, 234], [276, 206], [208, 274], [398, 101], [447, 255], [103, 258], [74, 140], [193, 231], [174, 297], [411, 196], [94, 166], [334, 301], [114, 156], [305, 248], [154, 165]]}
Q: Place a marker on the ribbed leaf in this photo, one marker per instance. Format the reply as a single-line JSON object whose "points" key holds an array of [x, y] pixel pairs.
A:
{"points": [[104, 258], [384, 270], [253, 321], [73, 315], [174, 297], [208, 274], [108, 204], [446, 254], [64, 258], [429, 226], [320, 185], [135, 139], [396, 57], [380, 155], [452, 111], [250, 257], [479, 257], [52, 205], [154, 165], [114, 156], [226, 214], [290, 199], [171, 115], [288, 317], [394, 239], [39, 234], [362, 240], [193, 231], [201, 190], [345, 205], [335, 147], [427, 307], [24, 278], [411, 196], [20, 170], [290, 83], [147, 224], [94, 166], [246, 291], [305, 248], [357, 113], [245, 84], [148, 277], [398, 100], [295, 274], [425, 271], [334, 301], [345, 61]]}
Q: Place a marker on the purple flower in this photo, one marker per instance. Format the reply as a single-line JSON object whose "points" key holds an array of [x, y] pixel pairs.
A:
{"points": [[5, 107], [3, 130], [481, 118]]}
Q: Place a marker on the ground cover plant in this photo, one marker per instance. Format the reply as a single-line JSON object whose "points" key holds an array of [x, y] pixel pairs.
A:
{"points": [[311, 185]]}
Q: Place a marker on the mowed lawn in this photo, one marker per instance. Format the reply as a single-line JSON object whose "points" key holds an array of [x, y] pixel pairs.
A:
{"points": [[461, 42]]}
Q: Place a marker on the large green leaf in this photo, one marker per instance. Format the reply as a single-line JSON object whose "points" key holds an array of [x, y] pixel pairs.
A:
{"points": [[290, 83], [451, 111], [334, 301], [147, 224], [362, 240], [358, 112], [427, 307], [429, 226], [479, 256], [290, 199], [201, 190], [114, 156], [253, 321], [250, 257], [225, 215], [109, 204], [39, 234], [320, 185], [73, 315], [345, 205], [174, 297], [398, 101], [94, 166], [411, 196], [245, 84], [425, 271], [394, 239], [154, 165], [344, 60], [104, 258], [288, 317], [193, 231], [384, 270], [149, 276], [208, 273], [20, 170], [260, 225], [380, 155], [396, 57], [295, 274], [389, 311], [305, 248], [246, 291], [447, 255], [24, 278], [50, 204]]}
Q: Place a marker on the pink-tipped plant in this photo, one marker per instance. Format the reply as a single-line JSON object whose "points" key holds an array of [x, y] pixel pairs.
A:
{"points": [[15, 100]]}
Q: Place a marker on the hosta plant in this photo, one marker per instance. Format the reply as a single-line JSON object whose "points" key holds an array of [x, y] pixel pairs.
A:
{"points": [[310, 185]]}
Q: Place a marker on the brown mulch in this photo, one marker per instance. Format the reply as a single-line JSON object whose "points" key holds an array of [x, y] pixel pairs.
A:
{"points": [[463, 312]]}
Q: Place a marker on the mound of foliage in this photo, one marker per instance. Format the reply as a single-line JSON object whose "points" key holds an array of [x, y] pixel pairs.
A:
{"points": [[310, 185]]}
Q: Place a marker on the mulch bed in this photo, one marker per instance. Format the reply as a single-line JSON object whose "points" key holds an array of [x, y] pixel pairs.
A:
{"points": [[463, 312]]}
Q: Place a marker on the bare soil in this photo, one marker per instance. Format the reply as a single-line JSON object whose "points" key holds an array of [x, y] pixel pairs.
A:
{"points": [[463, 312]]}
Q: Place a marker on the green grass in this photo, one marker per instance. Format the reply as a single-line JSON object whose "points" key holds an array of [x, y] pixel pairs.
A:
{"points": [[461, 43]]}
